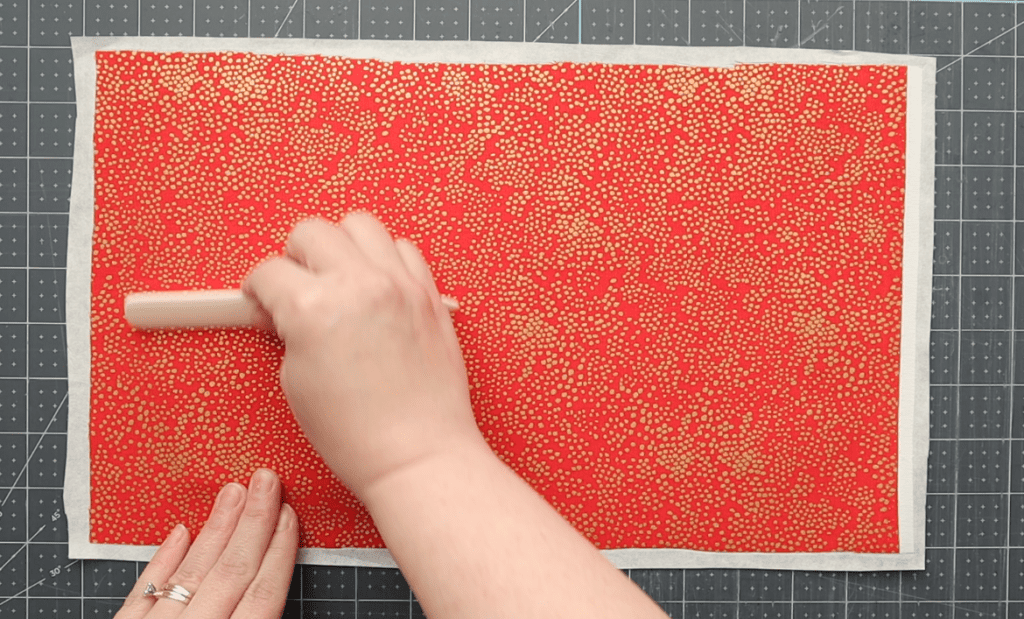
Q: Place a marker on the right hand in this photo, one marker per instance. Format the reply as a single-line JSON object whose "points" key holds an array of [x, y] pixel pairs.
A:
{"points": [[372, 367]]}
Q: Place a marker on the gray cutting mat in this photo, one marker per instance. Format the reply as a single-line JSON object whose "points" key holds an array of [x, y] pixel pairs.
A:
{"points": [[976, 471]]}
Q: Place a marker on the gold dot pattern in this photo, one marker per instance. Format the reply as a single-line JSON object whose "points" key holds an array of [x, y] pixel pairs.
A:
{"points": [[679, 286]]}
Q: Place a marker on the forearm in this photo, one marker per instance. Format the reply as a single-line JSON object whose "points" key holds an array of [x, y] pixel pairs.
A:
{"points": [[474, 540]]}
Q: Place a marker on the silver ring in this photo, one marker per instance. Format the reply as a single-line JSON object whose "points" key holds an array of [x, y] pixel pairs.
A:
{"points": [[169, 591]]}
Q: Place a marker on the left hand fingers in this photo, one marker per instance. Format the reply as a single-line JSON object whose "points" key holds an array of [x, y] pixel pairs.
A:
{"points": [[265, 597], [160, 568], [239, 563], [205, 551]]}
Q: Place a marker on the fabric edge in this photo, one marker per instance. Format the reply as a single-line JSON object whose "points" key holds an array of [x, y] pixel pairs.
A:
{"points": [[84, 49], [77, 303]]}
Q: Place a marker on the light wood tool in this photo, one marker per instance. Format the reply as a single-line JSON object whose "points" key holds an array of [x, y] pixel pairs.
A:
{"points": [[200, 309]]}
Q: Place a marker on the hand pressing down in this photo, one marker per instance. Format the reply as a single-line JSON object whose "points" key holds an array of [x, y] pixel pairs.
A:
{"points": [[239, 566], [373, 373], [372, 367]]}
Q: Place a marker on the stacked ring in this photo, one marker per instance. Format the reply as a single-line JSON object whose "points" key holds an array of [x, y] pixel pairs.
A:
{"points": [[169, 591]]}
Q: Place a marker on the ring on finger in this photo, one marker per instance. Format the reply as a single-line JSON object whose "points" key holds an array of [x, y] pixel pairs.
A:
{"points": [[169, 591]]}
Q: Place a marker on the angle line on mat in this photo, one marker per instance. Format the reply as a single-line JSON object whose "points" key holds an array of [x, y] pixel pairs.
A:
{"points": [[727, 27], [674, 21], [37, 583], [23, 546], [1001, 34], [38, 443], [816, 28], [286, 18], [564, 11], [22, 591]]}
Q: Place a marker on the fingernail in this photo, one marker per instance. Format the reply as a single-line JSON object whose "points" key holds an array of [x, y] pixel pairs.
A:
{"points": [[261, 482], [230, 496], [176, 534], [284, 521]]}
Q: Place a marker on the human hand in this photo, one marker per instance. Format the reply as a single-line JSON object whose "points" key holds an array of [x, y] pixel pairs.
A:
{"points": [[239, 566], [372, 367]]}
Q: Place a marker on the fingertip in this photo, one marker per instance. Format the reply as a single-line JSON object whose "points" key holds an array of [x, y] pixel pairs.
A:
{"points": [[408, 245], [299, 237], [261, 318], [416, 264], [269, 284], [175, 539], [247, 281], [246, 286], [166, 559], [263, 321], [287, 532], [302, 225], [287, 519], [262, 480], [178, 534], [250, 285], [358, 214], [363, 220]]}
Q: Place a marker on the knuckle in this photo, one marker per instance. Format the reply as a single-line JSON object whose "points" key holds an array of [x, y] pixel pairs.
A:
{"points": [[221, 525], [312, 313], [310, 225], [262, 590], [308, 234], [420, 298], [253, 281], [236, 565], [381, 289], [310, 306], [188, 576], [261, 511], [303, 303], [410, 252]]}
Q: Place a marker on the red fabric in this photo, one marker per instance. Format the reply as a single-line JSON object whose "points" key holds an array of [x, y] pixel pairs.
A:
{"points": [[680, 286]]}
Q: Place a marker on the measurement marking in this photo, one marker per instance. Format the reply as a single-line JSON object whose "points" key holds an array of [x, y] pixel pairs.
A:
{"points": [[286, 17], [674, 22], [38, 443], [22, 547], [727, 27], [1000, 35], [25, 590], [53, 252], [816, 28], [564, 11]]}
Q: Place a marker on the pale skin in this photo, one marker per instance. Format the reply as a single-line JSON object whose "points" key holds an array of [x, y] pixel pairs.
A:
{"points": [[373, 372]]}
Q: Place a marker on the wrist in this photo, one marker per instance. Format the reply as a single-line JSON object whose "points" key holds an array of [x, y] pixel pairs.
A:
{"points": [[439, 467]]}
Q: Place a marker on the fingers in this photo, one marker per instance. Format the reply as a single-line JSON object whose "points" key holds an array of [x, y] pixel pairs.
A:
{"points": [[316, 247], [243, 558], [373, 240], [359, 245], [265, 597], [416, 265], [321, 246], [273, 284], [420, 270], [203, 554], [163, 564], [239, 562]]}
